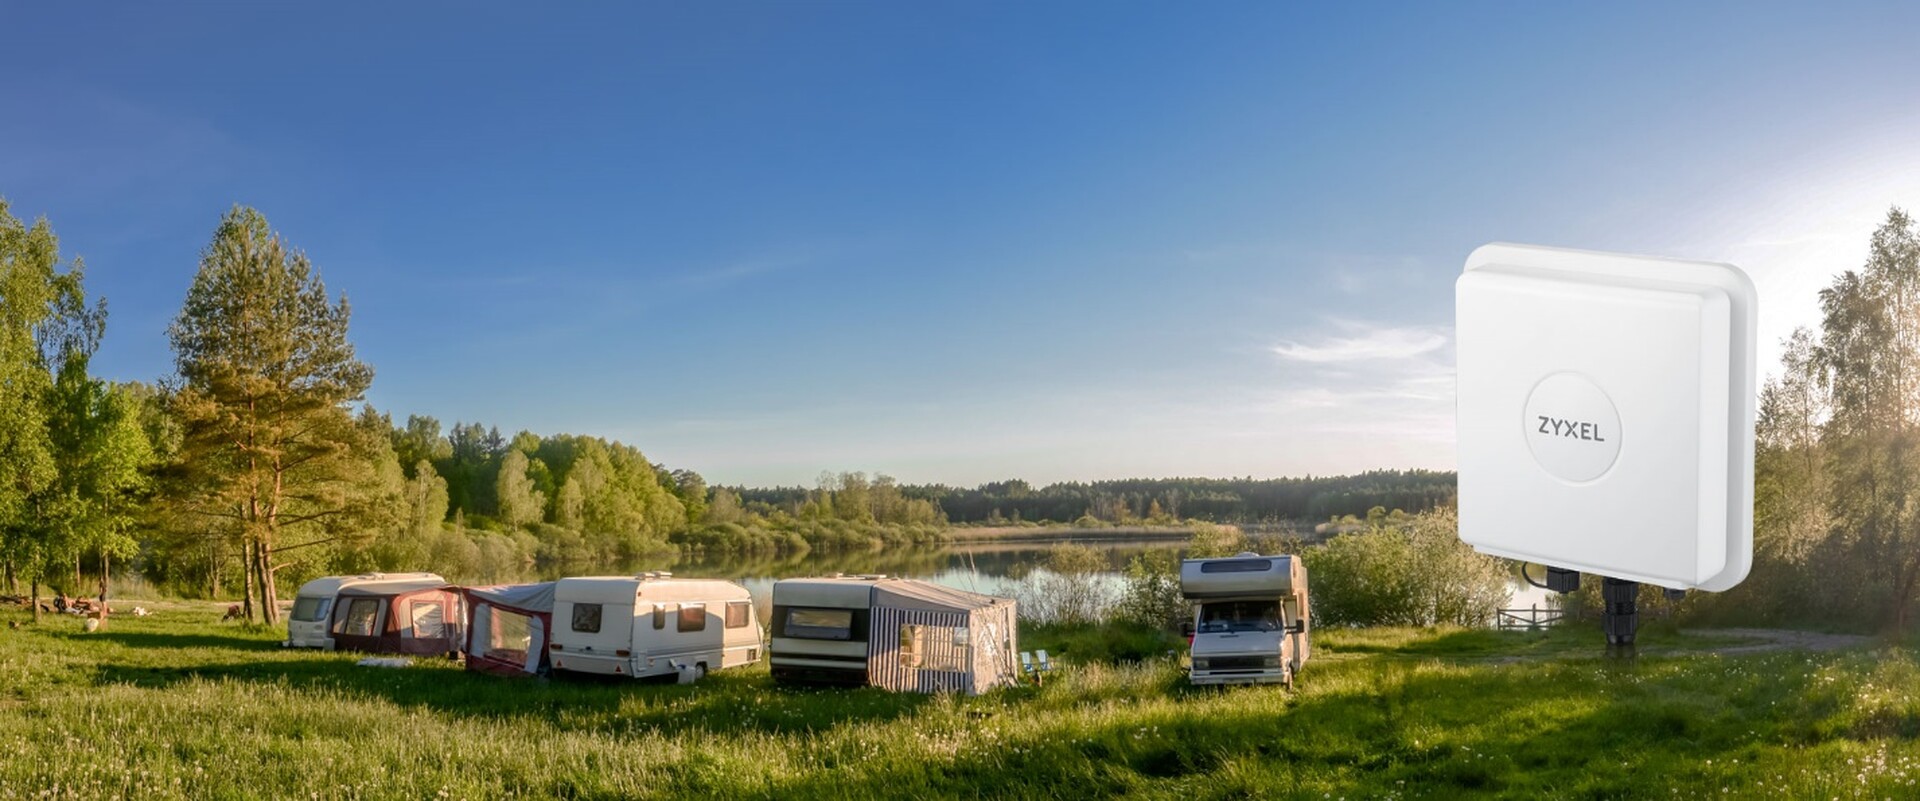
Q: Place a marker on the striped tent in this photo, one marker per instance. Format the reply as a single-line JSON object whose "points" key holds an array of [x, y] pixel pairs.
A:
{"points": [[928, 638]]}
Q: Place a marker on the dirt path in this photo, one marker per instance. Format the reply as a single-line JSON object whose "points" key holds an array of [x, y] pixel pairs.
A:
{"points": [[1780, 640]]}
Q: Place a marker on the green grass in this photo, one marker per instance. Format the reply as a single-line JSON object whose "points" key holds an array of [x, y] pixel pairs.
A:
{"points": [[180, 706]]}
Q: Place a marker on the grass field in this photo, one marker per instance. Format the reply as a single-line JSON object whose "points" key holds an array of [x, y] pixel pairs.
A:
{"points": [[178, 705]]}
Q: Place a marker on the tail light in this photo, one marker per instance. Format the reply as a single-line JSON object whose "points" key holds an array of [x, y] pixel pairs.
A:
{"points": [[553, 646], [623, 652]]}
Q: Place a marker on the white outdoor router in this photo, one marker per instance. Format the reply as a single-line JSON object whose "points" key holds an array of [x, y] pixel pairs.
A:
{"points": [[1605, 417]]}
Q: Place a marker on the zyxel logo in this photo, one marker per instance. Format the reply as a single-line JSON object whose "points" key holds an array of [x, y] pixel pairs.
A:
{"points": [[1571, 429]]}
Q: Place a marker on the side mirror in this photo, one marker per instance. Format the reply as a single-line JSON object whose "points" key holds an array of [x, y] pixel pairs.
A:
{"points": [[1298, 627], [1186, 629]]}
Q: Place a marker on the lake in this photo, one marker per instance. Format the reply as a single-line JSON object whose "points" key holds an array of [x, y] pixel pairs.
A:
{"points": [[992, 566]]}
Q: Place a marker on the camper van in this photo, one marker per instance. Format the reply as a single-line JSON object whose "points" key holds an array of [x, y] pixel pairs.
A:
{"points": [[308, 624], [652, 625], [1250, 618], [898, 634]]}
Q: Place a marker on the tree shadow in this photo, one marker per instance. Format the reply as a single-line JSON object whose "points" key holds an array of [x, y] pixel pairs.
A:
{"points": [[170, 640], [733, 700]]}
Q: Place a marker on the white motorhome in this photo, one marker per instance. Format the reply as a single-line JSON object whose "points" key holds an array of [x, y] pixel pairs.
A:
{"points": [[652, 625], [307, 624], [1250, 618]]}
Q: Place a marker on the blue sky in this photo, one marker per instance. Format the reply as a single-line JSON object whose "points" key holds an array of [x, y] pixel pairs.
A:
{"points": [[951, 243]]}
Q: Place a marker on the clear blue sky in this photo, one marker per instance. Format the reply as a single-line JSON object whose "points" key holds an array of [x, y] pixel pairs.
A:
{"points": [[954, 243]]}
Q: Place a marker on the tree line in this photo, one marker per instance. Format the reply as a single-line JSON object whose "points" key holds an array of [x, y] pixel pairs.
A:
{"points": [[1168, 500]]}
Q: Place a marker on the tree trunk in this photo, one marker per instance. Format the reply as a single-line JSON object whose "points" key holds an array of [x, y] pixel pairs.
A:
{"points": [[269, 612], [76, 572], [213, 569], [13, 582], [35, 599], [106, 575], [246, 579]]}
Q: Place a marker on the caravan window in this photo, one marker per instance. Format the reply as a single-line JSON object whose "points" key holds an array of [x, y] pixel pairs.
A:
{"points": [[693, 617], [737, 613], [429, 620], [363, 617], [586, 618], [1225, 616], [817, 624], [308, 609], [659, 616]]}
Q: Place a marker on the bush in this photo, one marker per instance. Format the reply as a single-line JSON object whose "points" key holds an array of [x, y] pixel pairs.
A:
{"points": [[1152, 596], [1067, 588], [1405, 571]]}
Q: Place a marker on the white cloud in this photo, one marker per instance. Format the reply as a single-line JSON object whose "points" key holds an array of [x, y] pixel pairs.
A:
{"points": [[1373, 344]]}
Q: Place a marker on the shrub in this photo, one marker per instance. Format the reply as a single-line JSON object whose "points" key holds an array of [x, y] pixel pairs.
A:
{"points": [[1406, 571]]}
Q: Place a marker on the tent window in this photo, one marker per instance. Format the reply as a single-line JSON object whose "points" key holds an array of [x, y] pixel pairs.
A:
{"points": [[429, 619], [511, 632], [659, 616], [737, 613], [817, 624], [934, 647], [586, 618], [363, 616], [693, 617]]}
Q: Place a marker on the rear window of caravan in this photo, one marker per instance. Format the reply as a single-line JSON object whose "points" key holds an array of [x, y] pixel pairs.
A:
{"points": [[819, 624], [693, 617], [737, 613], [586, 618], [308, 609]]}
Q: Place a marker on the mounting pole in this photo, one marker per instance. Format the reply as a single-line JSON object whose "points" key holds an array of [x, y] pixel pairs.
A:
{"points": [[1622, 609]]}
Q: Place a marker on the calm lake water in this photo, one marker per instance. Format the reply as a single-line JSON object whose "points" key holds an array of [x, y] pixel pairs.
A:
{"points": [[995, 567]]}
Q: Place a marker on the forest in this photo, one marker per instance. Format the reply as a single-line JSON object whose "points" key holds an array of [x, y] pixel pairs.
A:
{"points": [[257, 462]]}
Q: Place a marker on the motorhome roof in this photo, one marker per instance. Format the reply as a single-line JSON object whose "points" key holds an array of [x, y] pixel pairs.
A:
{"points": [[888, 590], [1244, 574]]}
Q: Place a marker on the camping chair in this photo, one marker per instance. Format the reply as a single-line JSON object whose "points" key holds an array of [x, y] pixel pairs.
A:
{"points": [[1026, 666], [1045, 663]]}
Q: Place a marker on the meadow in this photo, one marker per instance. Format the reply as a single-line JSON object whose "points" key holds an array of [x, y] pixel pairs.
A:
{"points": [[179, 705]]}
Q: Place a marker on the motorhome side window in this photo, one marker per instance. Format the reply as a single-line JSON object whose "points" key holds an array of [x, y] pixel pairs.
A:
{"points": [[659, 616], [693, 617], [1237, 566], [737, 613], [819, 624], [586, 618], [1226, 616]]}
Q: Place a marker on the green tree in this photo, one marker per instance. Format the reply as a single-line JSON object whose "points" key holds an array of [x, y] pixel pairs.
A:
{"points": [[1870, 352], [46, 330], [270, 450], [520, 503]]}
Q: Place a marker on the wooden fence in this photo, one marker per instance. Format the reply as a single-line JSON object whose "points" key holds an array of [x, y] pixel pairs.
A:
{"points": [[1531, 618]]}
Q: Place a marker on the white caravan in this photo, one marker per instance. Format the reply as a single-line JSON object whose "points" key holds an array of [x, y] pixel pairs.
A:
{"points": [[1250, 618], [652, 625], [313, 605]]}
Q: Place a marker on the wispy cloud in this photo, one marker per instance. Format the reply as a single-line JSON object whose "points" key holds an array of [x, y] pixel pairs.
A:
{"points": [[1369, 344]]}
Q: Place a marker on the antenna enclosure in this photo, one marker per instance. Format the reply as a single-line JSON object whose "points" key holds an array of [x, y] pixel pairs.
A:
{"points": [[1605, 413]]}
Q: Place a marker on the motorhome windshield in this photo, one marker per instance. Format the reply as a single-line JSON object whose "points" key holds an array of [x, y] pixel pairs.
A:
{"points": [[1226, 616], [308, 609]]}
